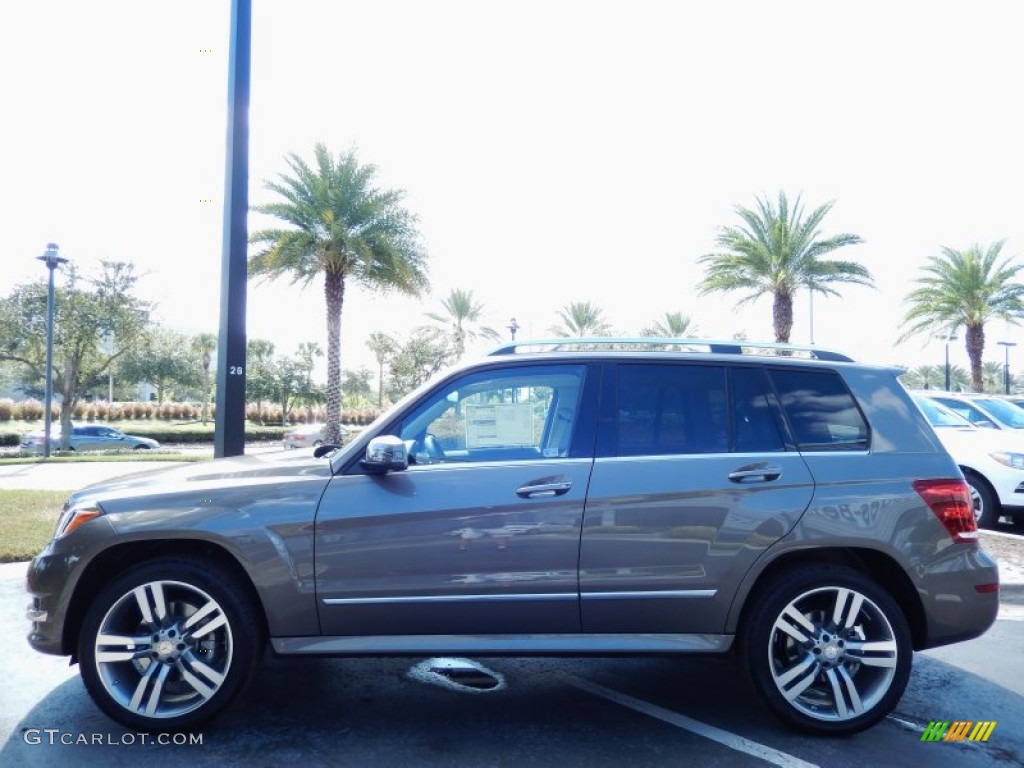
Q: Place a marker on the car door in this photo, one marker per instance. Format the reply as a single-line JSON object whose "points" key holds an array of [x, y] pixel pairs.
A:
{"points": [[694, 479], [85, 438], [481, 533]]}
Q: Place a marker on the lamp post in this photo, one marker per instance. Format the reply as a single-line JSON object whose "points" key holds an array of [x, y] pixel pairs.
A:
{"points": [[951, 336], [1006, 364], [512, 328], [52, 261]]}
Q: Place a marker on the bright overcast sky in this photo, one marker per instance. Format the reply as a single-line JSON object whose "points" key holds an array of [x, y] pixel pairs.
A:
{"points": [[553, 150]]}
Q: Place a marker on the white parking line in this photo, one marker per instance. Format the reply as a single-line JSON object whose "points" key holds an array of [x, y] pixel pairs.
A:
{"points": [[731, 740]]}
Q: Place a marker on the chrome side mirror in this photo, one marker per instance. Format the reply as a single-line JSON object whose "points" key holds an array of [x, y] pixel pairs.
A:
{"points": [[386, 453]]}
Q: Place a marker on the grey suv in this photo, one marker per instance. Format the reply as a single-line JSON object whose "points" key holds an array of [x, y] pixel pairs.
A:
{"points": [[654, 496]]}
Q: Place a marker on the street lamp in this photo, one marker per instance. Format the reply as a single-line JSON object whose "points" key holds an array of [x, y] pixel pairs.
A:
{"points": [[52, 261], [512, 328], [1006, 365], [951, 336]]}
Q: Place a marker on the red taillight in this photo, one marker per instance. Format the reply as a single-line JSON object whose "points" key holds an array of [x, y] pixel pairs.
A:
{"points": [[950, 500]]}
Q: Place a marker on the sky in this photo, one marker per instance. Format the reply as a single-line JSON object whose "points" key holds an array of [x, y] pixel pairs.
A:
{"points": [[552, 150]]}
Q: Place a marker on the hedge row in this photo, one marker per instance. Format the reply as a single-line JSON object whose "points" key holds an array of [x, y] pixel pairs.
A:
{"points": [[10, 438], [33, 410]]}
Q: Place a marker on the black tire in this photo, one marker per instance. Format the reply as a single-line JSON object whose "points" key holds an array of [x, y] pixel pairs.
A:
{"points": [[141, 448], [986, 506], [834, 686], [174, 671]]}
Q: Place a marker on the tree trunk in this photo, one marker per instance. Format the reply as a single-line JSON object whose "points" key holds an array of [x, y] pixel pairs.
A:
{"points": [[334, 293], [782, 316], [975, 342]]}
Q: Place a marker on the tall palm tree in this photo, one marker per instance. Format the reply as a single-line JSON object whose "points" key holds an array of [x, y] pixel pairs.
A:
{"points": [[965, 289], [674, 325], [383, 348], [581, 318], [203, 345], [777, 251], [345, 229], [463, 314]]}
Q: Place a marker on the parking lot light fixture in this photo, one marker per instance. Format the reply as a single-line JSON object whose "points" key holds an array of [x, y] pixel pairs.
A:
{"points": [[52, 260], [948, 337], [1006, 364]]}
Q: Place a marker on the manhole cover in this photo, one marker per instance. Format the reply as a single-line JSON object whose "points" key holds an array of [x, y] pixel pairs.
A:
{"points": [[457, 675]]}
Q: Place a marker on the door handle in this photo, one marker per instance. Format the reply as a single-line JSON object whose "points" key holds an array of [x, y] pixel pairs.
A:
{"points": [[755, 473], [544, 488]]}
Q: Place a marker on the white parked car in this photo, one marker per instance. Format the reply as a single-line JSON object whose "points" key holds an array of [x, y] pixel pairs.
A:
{"points": [[989, 411], [992, 461], [306, 435]]}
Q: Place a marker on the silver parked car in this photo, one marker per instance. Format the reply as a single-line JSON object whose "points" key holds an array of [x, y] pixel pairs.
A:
{"points": [[92, 437], [553, 498]]}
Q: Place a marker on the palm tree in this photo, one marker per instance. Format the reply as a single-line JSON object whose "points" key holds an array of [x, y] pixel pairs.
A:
{"points": [[778, 251], [383, 348], [924, 377], [203, 345], [581, 318], [344, 228], [965, 289], [462, 313], [674, 325], [992, 376]]}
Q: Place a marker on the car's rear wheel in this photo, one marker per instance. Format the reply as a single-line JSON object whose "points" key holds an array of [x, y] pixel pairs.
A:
{"points": [[141, 448], [168, 645], [986, 506], [828, 649]]}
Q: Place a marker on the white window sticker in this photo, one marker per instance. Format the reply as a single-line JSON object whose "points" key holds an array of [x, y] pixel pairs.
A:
{"points": [[505, 424]]}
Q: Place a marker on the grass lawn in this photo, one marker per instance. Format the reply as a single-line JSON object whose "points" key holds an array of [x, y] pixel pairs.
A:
{"points": [[122, 456], [27, 520]]}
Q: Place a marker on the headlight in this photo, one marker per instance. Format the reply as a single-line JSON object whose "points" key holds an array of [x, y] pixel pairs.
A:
{"points": [[1015, 460], [74, 516]]}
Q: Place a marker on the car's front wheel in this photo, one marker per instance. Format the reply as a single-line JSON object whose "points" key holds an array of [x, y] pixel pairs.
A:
{"points": [[169, 644], [828, 649]]}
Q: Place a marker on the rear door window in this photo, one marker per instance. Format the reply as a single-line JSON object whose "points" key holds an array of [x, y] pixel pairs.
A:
{"points": [[821, 411]]}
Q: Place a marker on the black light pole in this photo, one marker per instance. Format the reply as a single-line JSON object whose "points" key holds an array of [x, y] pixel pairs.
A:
{"points": [[229, 430], [52, 261], [947, 365], [948, 338], [1006, 365], [512, 328]]}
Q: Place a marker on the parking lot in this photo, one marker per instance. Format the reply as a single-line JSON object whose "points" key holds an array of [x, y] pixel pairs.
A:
{"points": [[565, 712]]}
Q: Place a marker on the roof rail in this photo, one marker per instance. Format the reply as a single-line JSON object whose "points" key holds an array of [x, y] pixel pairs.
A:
{"points": [[733, 347]]}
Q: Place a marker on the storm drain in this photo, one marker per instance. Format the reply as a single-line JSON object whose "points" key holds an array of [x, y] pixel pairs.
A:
{"points": [[458, 675]]}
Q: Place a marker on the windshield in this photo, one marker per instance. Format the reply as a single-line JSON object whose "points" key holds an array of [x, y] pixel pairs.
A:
{"points": [[1005, 411], [940, 416]]}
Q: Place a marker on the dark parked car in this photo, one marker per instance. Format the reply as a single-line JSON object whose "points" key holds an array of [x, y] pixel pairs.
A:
{"points": [[90, 438], [549, 499]]}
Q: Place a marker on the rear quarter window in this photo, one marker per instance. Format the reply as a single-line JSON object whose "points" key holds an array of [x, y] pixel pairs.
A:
{"points": [[821, 411]]}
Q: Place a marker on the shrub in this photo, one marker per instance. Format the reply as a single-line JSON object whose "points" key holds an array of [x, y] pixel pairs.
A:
{"points": [[102, 410], [31, 410], [78, 411], [10, 438], [6, 409]]}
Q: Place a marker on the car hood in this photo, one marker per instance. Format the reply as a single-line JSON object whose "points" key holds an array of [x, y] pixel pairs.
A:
{"points": [[965, 444], [233, 472]]}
